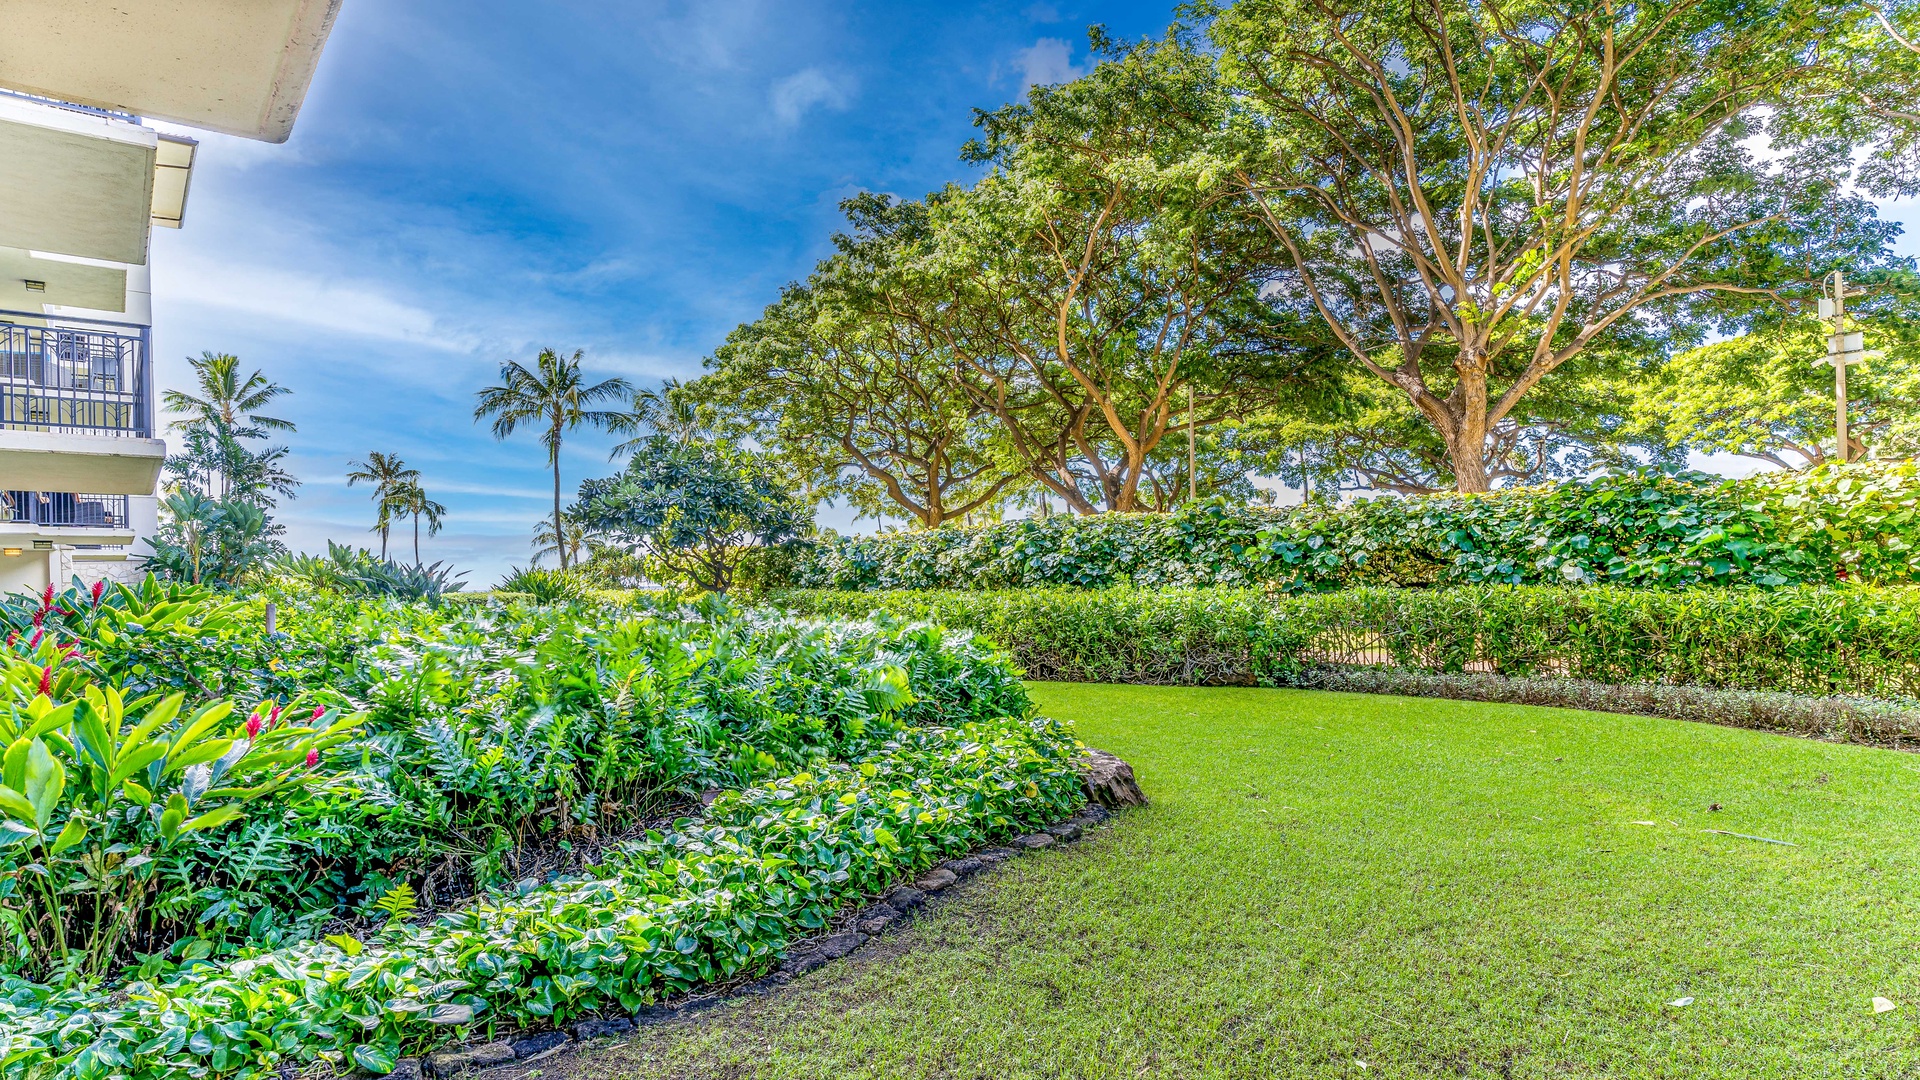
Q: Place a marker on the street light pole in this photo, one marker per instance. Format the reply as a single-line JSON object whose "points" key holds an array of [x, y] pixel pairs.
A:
{"points": [[1843, 348]]}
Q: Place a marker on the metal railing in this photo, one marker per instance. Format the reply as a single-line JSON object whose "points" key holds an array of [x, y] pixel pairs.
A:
{"points": [[70, 380], [63, 509]]}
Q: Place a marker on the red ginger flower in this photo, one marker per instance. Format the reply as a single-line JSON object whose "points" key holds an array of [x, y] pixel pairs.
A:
{"points": [[46, 599], [319, 711], [253, 726], [98, 588], [46, 679], [313, 758]]}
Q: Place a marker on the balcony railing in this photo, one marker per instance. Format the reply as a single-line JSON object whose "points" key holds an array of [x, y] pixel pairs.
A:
{"points": [[61, 509], [72, 381]]}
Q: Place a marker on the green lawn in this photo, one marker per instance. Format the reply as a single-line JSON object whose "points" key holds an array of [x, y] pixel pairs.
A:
{"points": [[1434, 888]]}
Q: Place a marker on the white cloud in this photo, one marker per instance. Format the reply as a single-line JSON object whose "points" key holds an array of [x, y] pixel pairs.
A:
{"points": [[1046, 62], [289, 296], [792, 96]]}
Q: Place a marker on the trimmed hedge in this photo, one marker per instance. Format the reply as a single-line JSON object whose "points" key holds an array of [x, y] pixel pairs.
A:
{"points": [[1855, 523], [1803, 640], [707, 900]]}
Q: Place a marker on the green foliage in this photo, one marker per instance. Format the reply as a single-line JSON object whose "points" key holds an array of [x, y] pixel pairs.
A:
{"points": [[357, 572], [693, 508], [1473, 195], [97, 793], [545, 586], [700, 901], [1654, 529], [495, 731], [1858, 641], [1759, 395], [205, 541]]}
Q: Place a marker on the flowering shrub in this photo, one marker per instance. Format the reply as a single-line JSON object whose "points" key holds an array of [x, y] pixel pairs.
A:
{"points": [[1839, 523], [705, 900]]}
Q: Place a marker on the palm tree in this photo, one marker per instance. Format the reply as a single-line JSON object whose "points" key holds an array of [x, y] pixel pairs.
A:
{"points": [[545, 544], [388, 475], [555, 397], [665, 411], [410, 500], [226, 398]]}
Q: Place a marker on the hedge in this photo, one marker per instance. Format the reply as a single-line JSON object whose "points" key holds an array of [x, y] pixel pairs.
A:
{"points": [[1802, 640], [1853, 523]]}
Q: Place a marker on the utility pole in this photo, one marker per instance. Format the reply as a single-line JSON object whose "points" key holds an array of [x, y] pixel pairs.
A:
{"points": [[1843, 349]]}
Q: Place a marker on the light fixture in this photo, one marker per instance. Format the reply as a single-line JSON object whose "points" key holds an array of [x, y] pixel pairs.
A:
{"points": [[35, 286], [10, 552]]}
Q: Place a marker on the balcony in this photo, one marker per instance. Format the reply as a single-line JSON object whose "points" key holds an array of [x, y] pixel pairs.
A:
{"points": [[70, 381], [64, 510]]}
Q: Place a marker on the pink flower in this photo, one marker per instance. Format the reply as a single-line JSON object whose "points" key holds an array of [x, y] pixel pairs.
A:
{"points": [[319, 711], [274, 716], [253, 726], [39, 617], [46, 601], [46, 680], [98, 588], [313, 758], [34, 641]]}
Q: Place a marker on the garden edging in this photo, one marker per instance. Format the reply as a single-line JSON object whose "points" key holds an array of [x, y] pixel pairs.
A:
{"points": [[1109, 784]]}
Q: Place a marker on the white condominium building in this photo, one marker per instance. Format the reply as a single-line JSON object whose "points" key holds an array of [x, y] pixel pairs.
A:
{"points": [[83, 181]]}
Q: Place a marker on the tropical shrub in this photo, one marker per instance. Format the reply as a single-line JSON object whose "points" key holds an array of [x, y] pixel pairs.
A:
{"points": [[1804, 640], [1856, 523], [700, 901], [358, 572], [96, 792], [499, 740], [546, 586]]}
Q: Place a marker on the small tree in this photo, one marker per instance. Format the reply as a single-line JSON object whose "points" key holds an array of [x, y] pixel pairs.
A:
{"points": [[693, 509]]}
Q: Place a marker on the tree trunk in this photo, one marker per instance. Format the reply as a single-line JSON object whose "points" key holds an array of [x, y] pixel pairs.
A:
{"points": [[383, 543], [416, 539], [559, 536], [1465, 429]]}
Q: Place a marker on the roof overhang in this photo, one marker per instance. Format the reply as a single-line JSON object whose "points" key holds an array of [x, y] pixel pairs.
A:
{"points": [[32, 282], [75, 183], [237, 66], [99, 464]]}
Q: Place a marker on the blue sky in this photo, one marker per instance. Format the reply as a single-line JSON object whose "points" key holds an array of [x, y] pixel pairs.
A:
{"points": [[473, 179]]}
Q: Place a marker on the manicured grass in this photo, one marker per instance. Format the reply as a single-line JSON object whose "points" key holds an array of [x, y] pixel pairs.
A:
{"points": [[1434, 888]]}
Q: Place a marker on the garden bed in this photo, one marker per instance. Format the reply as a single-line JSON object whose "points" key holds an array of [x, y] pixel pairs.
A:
{"points": [[392, 747]]}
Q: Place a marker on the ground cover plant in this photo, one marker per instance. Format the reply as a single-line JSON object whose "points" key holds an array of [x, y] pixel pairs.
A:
{"points": [[1431, 888], [1646, 529], [514, 768]]}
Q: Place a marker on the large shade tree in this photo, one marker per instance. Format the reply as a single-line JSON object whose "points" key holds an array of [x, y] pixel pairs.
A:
{"points": [[552, 398], [849, 396], [1471, 194], [1092, 286]]}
